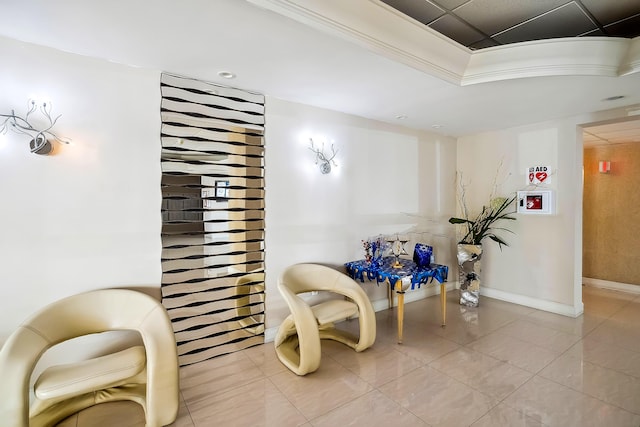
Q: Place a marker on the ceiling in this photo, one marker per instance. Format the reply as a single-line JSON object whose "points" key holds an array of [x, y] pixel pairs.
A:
{"points": [[479, 24], [620, 132], [357, 65]]}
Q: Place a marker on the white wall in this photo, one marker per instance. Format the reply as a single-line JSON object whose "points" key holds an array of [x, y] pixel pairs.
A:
{"points": [[388, 179], [88, 216], [542, 267]]}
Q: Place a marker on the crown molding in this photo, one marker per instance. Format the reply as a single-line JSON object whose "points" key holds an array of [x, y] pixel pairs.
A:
{"points": [[631, 63], [382, 29], [593, 56]]}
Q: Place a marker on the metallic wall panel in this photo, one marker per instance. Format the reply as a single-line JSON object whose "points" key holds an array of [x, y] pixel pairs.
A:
{"points": [[213, 216]]}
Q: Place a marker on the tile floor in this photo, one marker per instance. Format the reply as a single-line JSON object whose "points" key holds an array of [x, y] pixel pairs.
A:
{"points": [[498, 365]]}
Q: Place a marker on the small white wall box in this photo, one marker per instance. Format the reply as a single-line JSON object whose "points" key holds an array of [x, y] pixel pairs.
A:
{"points": [[538, 202]]}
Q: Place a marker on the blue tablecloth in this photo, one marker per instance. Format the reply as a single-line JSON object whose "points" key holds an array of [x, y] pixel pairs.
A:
{"points": [[383, 270]]}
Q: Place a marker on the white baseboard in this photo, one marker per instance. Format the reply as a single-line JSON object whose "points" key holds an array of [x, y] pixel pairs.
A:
{"points": [[383, 304], [616, 286], [270, 334], [411, 296], [553, 307]]}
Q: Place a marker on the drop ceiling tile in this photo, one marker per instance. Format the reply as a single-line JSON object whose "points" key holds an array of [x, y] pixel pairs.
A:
{"points": [[567, 21], [590, 140], [485, 23], [493, 16], [618, 133], [420, 10], [628, 28], [483, 43], [457, 30], [629, 129], [595, 33], [610, 11], [617, 136], [449, 4]]}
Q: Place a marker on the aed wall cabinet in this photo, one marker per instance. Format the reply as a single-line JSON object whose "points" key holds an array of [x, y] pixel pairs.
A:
{"points": [[538, 202]]}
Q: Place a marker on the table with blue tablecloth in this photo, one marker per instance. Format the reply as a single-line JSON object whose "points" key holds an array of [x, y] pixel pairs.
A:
{"points": [[401, 274]]}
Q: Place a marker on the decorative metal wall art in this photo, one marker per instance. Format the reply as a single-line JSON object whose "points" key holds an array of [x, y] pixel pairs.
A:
{"points": [[39, 134], [324, 161]]}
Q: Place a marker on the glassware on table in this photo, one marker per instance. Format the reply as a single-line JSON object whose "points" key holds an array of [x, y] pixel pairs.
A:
{"points": [[397, 248]]}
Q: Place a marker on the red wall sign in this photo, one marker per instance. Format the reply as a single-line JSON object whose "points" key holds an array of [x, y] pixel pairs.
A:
{"points": [[538, 174]]}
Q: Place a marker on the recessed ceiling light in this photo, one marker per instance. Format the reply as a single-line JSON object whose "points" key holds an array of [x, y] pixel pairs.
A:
{"points": [[401, 117], [436, 126], [226, 74], [614, 98]]}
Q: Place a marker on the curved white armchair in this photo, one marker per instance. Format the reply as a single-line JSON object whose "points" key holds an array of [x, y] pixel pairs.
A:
{"points": [[297, 342], [145, 374]]}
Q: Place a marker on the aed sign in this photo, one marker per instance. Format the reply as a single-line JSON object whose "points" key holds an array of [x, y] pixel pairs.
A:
{"points": [[538, 175]]}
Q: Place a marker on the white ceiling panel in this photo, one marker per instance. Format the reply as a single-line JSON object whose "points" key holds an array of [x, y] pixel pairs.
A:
{"points": [[613, 133]]}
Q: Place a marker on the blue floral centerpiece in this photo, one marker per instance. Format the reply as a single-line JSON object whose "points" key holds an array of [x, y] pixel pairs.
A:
{"points": [[375, 249]]}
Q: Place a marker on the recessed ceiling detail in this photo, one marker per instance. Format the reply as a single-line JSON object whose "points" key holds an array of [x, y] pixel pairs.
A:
{"points": [[226, 74], [358, 57], [478, 24], [392, 33]]}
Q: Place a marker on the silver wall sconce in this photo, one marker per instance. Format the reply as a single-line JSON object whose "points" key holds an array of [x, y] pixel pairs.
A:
{"points": [[39, 144], [322, 160]]}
